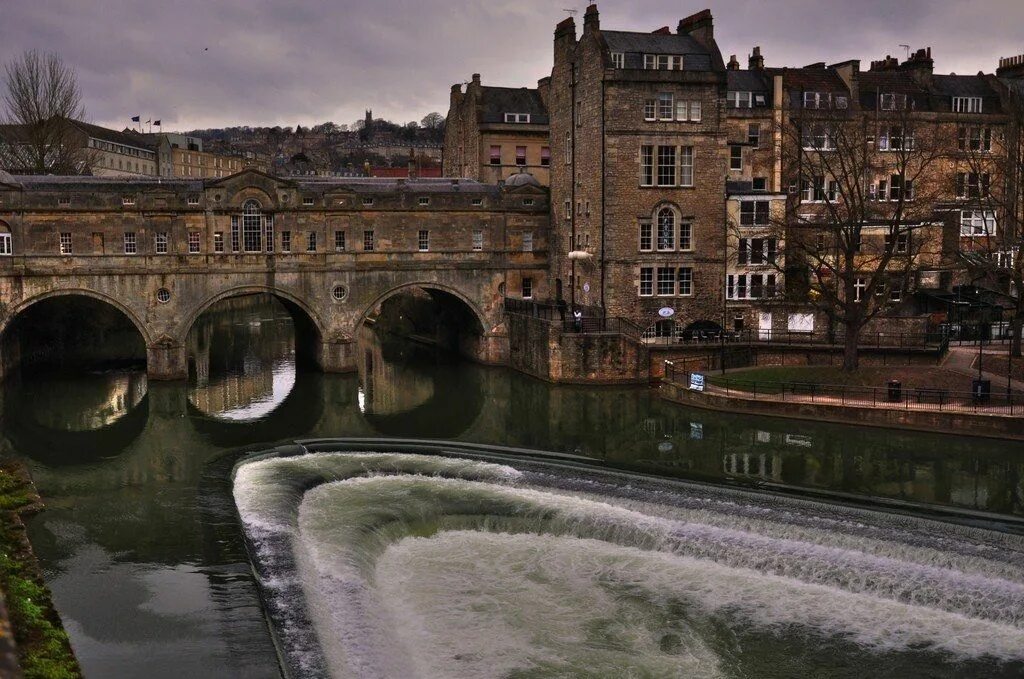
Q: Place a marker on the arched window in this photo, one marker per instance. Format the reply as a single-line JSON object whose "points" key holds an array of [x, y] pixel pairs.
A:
{"points": [[666, 229], [252, 227], [6, 246]]}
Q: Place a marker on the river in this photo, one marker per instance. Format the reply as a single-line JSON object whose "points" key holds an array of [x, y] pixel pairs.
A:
{"points": [[142, 546]]}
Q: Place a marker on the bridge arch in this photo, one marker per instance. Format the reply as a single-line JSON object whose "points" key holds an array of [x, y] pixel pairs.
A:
{"points": [[309, 325], [11, 353], [480, 339]]}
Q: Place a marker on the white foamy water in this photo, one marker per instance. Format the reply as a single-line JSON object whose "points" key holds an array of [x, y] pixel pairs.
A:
{"points": [[379, 565]]}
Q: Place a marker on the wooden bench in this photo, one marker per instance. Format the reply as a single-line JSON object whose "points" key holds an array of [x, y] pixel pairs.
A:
{"points": [[939, 396]]}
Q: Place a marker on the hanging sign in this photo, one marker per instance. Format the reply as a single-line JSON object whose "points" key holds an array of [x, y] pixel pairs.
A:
{"points": [[696, 382], [666, 312]]}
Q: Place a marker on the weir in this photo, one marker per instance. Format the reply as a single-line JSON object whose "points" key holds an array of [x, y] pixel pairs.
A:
{"points": [[405, 564]]}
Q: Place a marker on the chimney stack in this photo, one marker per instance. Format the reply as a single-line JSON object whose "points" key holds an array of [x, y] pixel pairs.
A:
{"points": [[920, 65], [756, 61], [1011, 67], [591, 19], [700, 26], [734, 64]]}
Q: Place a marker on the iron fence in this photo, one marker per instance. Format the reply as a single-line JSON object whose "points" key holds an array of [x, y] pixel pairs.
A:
{"points": [[890, 397], [880, 340]]}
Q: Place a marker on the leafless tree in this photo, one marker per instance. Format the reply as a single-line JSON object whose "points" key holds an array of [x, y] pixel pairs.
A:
{"points": [[859, 220], [989, 171], [40, 99]]}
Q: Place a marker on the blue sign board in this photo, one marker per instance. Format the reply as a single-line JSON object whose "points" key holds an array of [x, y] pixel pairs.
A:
{"points": [[697, 381]]}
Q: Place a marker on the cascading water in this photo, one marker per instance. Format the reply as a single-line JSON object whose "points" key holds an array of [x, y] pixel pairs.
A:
{"points": [[409, 565]]}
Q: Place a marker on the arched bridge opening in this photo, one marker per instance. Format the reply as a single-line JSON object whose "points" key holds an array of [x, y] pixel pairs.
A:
{"points": [[71, 332], [431, 315], [244, 351]]}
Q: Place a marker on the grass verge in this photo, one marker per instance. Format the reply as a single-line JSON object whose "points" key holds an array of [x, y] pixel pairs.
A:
{"points": [[44, 651]]}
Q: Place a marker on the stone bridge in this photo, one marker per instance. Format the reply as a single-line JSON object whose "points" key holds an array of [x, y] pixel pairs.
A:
{"points": [[332, 250]]}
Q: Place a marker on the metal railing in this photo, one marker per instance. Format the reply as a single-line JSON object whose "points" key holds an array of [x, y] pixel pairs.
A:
{"points": [[896, 397], [866, 340]]}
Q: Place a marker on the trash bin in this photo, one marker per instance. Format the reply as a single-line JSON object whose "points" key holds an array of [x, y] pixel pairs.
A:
{"points": [[895, 389], [982, 390]]}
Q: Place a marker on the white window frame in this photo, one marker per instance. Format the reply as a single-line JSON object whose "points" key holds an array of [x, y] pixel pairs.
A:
{"points": [[423, 240], [527, 241], [735, 159], [131, 243], [740, 99], [618, 60], [666, 106], [478, 240], [967, 104], [195, 242], [66, 243], [517, 117], [646, 281], [686, 166], [975, 223], [6, 245]]}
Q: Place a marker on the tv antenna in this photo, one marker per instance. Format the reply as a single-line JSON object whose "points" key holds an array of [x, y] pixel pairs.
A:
{"points": [[571, 12], [907, 48]]}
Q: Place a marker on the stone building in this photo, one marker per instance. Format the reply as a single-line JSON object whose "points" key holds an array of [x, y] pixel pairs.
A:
{"points": [[105, 152], [677, 180], [492, 133], [162, 251], [637, 187], [184, 156]]}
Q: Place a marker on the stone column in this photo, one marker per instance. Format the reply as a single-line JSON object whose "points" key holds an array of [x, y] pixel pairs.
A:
{"points": [[166, 360], [337, 355]]}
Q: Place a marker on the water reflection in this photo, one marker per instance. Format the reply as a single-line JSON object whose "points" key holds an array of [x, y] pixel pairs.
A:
{"points": [[242, 358], [136, 483], [409, 389]]}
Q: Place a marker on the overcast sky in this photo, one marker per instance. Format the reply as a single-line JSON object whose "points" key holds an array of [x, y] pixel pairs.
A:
{"points": [[205, 63]]}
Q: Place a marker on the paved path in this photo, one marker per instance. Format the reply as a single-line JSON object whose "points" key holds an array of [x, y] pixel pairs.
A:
{"points": [[963, 360]]}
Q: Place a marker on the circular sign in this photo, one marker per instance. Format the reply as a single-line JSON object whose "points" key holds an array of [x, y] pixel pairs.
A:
{"points": [[666, 447], [586, 287], [666, 312]]}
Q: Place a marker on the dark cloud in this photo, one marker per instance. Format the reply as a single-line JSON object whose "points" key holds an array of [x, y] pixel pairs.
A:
{"points": [[198, 63]]}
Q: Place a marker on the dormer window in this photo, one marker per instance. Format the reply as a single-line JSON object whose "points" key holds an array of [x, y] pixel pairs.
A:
{"points": [[739, 99], [815, 99], [618, 59], [307, 200], [424, 201], [841, 102], [663, 62], [193, 199], [967, 104], [517, 117], [127, 200], [892, 101]]}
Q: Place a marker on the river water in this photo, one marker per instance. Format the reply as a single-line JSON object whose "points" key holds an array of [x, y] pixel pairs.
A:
{"points": [[142, 546]]}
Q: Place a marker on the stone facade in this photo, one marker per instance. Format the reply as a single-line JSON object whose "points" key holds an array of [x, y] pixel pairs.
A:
{"points": [[492, 133], [609, 123], [163, 251]]}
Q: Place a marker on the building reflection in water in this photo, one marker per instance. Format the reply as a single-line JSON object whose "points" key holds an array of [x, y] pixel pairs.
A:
{"points": [[242, 358], [388, 384], [81, 402]]}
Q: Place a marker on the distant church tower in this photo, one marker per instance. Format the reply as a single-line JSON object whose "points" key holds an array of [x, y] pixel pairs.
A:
{"points": [[368, 124]]}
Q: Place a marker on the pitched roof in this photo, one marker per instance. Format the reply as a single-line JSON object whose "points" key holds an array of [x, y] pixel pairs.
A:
{"points": [[497, 101], [633, 45], [113, 136], [755, 80]]}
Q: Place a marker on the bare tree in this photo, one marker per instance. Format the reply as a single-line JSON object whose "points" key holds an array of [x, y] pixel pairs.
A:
{"points": [[859, 222], [987, 182], [40, 100], [433, 121]]}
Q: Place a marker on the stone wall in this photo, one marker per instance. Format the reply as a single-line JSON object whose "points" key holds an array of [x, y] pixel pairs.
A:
{"points": [[974, 424], [539, 348]]}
